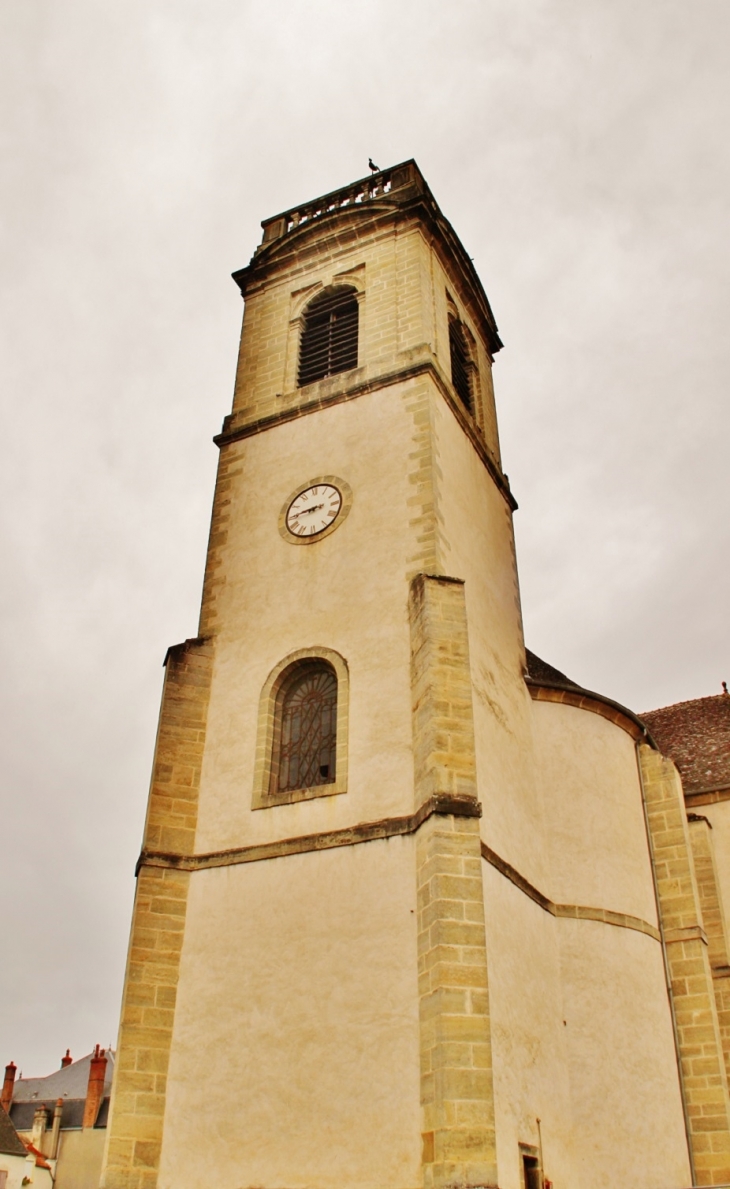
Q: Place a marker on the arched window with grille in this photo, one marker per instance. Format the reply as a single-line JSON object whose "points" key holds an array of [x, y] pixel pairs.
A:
{"points": [[329, 335], [307, 728], [303, 728], [461, 364]]}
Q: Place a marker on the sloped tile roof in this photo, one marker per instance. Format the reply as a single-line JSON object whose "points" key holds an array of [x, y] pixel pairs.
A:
{"points": [[696, 735], [72, 1113], [70, 1082], [540, 670], [10, 1142]]}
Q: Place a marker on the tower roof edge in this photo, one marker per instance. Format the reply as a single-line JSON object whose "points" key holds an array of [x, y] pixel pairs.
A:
{"points": [[401, 187], [376, 185]]}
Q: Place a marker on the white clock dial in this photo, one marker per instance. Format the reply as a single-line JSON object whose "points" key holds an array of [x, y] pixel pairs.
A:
{"points": [[313, 510]]}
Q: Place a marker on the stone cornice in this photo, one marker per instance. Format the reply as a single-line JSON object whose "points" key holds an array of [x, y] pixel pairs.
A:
{"points": [[408, 198], [708, 796], [584, 699], [233, 432], [579, 912], [441, 804]]}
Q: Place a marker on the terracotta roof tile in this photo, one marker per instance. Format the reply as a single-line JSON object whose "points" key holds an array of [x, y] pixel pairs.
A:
{"points": [[40, 1159], [696, 735]]}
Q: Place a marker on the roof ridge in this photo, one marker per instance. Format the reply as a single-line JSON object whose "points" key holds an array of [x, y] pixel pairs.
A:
{"points": [[687, 702]]}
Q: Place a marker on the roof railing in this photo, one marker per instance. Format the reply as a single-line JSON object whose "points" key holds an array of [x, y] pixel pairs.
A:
{"points": [[378, 185]]}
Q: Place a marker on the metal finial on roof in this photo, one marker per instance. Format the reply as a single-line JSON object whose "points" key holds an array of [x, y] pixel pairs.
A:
{"points": [[724, 687]]}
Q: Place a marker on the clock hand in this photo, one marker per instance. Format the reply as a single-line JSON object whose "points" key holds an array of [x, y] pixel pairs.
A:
{"points": [[307, 511]]}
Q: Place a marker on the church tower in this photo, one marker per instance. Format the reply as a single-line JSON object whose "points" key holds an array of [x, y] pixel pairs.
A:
{"points": [[346, 965]]}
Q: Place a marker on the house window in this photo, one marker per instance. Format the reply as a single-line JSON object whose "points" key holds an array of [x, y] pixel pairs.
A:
{"points": [[307, 735], [329, 335], [461, 364]]}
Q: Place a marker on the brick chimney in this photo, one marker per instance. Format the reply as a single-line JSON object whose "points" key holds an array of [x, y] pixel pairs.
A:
{"points": [[7, 1095], [67, 1060], [95, 1089]]}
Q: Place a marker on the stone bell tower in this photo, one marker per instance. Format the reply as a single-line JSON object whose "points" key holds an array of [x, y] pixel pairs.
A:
{"points": [[277, 1029], [308, 1001]]}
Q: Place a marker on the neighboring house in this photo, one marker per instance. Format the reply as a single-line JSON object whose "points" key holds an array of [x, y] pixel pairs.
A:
{"points": [[62, 1117], [20, 1164]]}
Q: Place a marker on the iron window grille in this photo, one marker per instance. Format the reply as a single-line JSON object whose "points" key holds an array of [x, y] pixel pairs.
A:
{"points": [[308, 739], [329, 335]]}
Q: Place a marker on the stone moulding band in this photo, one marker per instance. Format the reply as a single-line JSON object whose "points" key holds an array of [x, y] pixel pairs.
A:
{"points": [[236, 433], [688, 933], [576, 911], [441, 804], [708, 796]]}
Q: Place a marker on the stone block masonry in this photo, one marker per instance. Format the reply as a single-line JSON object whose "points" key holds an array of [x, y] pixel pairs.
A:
{"points": [[713, 920], [443, 725], [459, 1142], [457, 1094], [134, 1138], [698, 1030]]}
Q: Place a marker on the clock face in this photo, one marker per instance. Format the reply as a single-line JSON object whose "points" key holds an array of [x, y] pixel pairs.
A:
{"points": [[313, 510]]}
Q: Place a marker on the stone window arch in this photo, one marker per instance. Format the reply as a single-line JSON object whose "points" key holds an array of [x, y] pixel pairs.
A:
{"points": [[303, 717], [329, 335]]}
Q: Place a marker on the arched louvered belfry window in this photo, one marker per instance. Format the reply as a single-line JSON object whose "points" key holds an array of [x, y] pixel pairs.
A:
{"points": [[306, 736], [461, 365], [329, 335]]}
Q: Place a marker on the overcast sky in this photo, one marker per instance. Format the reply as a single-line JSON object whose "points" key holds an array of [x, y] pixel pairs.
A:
{"points": [[580, 149]]}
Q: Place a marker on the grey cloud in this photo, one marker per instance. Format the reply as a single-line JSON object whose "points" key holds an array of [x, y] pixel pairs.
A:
{"points": [[580, 151]]}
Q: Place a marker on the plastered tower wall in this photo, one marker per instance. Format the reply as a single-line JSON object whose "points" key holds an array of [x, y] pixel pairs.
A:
{"points": [[617, 1024], [410, 981]]}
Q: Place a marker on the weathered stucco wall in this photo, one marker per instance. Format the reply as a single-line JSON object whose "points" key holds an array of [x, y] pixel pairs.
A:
{"points": [[618, 1028], [529, 1048], [295, 1056], [627, 1112], [596, 832], [79, 1159], [347, 592]]}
